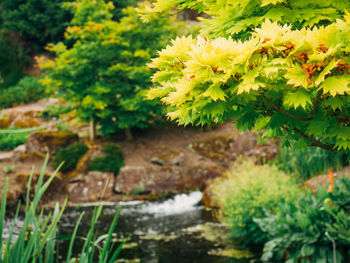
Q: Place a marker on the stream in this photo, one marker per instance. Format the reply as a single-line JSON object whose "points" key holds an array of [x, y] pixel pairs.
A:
{"points": [[176, 230]]}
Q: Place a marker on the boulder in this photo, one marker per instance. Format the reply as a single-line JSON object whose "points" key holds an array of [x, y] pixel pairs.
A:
{"points": [[226, 148], [56, 191], [49, 141], [199, 176], [168, 157], [160, 180], [147, 179], [89, 187]]}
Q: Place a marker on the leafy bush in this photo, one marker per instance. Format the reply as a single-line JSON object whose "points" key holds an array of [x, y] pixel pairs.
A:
{"points": [[111, 162], [246, 192], [307, 162], [303, 229], [9, 141], [70, 155], [13, 58], [27, 90], [55, 110], [36, 241]]}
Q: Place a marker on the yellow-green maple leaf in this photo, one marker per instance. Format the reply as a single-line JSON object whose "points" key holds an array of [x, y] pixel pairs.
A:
{"points": [[336, 85]]}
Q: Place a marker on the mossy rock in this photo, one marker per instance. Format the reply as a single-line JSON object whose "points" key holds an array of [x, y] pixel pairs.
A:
{"points": [[225, 148], [49, 141]]}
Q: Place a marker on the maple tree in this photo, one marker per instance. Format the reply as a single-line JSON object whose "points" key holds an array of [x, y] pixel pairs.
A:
{"points": [[237, 18], [288, 82]]}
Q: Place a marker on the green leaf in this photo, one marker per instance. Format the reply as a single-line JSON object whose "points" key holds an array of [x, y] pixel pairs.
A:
{"points": [[299, 98], [345, 145], [335, 103], [272, 2], [336, 85], [307, 250], [249, 82], [317, 127], [215, 92], [296, 77], [326, 71]]}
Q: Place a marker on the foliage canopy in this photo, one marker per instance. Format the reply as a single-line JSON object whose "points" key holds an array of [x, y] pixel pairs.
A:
{"points": [[292, 83], [237, 18]]}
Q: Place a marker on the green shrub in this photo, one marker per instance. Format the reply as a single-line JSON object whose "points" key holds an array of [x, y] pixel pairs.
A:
{"points": [[27, 90], [55, 110], [247, 191], [112, 161], [37, 238], [308, 162], [70, 155], [9, 141], [303, 229]]}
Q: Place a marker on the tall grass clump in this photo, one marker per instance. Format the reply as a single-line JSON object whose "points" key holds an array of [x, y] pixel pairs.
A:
{"points": [[308, 162], [246, 192], [36, 241]]}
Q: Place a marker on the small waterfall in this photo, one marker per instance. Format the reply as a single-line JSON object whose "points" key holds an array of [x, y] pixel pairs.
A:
{"points": [[179, 204]]}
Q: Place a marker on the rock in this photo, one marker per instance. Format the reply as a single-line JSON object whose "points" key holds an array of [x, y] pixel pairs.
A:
{"points": [[226, 148], [199, 176], [20, 148], [26, 119], [55, 192], [155, 179], [50, 142], [90, 187], [168, 157], [161, 180]]}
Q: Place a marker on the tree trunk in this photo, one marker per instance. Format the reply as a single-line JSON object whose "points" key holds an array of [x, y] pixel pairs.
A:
{"points": [[128, 134], [92, 129]]}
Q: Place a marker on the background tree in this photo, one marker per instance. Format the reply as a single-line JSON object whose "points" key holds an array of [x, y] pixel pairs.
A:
{"points": [[37, 22], [291, 83], [104, 72]]}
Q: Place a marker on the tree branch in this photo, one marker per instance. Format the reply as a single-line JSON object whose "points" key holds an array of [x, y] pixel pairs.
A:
{"points": [[314, 141], [283, 111], [317, 102]]}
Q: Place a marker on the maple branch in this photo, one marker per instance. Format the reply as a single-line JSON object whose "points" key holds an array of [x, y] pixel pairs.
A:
{"points": [[283, 111], [312, 139], [317, 102]]}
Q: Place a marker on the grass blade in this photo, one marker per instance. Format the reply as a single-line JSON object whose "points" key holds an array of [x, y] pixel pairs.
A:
{"points": [[106, 246], [69, 254], [2, 215]]}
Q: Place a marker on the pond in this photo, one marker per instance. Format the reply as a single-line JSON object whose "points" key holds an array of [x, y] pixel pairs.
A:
{"points": [[176, 230]]}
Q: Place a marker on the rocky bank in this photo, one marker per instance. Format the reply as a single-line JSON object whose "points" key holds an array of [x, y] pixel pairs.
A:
{"points": [[158, 161]]}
